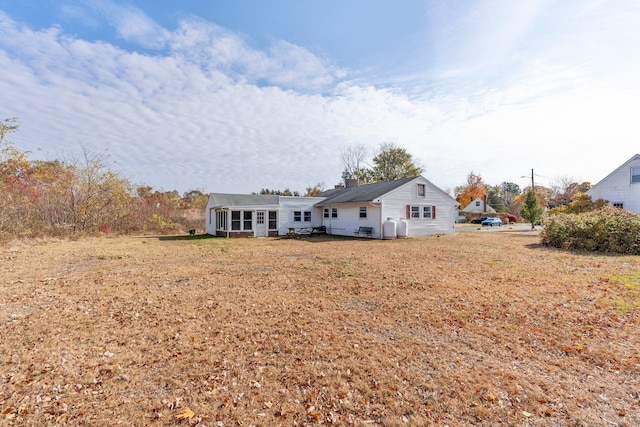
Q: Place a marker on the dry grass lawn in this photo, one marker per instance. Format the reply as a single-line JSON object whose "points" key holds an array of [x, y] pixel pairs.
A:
{"points": [[478, 328]]}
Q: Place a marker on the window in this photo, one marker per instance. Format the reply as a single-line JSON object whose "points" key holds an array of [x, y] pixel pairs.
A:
{"points": [[477, 202], [426, 212], [363, 212], [260, 217], [235, 220], [421, 190], [247, 220], [334, 212], [325, 212], [618, 205], [307, 216], [421, 212], [635, 175], [297, 216], [273, 220]]}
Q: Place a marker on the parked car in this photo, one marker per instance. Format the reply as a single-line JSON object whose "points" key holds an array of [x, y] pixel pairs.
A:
{"points": [[512, 218], [490, 222], [478, 220]]}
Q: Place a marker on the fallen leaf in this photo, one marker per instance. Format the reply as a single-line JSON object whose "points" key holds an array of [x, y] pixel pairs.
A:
{"points": [[185, 414]]}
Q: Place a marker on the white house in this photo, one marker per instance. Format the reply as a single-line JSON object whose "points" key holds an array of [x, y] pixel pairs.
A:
{"points": [[621, 188], [341, 211], [478, 206], [427, 209]]}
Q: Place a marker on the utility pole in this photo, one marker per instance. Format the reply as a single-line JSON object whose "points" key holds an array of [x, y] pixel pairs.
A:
{"points": [[533, 187]]}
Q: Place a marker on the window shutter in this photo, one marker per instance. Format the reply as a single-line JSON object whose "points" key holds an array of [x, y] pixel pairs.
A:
{"points": [[433, 212], [408, 211]]}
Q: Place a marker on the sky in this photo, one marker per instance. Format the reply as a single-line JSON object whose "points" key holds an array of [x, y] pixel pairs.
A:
{"points": [[237, 96]]}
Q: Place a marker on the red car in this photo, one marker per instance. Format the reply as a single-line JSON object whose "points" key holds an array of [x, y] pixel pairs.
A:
{"points": [[512, 218]]}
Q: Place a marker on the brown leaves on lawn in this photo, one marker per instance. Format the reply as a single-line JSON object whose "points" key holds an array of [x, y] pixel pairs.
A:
{"points": [[474, 329]]}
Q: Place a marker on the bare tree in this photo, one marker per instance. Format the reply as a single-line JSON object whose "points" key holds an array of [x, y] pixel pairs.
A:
{"points": [[353, 161], [564, 189]]}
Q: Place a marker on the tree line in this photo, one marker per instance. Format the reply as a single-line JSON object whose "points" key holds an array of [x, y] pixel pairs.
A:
{"points": [[389, 162], [83, 196], [392, 162], [565, 195]]}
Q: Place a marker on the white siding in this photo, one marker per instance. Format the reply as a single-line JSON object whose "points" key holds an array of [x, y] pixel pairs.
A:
{"points": [[394, 205], [210, 220], [618, 188], [290, 204], [349, 220]]}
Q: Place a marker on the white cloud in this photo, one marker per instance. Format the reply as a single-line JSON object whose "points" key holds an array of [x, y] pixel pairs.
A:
{"points": [[209, 111], [132, 24], [283, 64]]}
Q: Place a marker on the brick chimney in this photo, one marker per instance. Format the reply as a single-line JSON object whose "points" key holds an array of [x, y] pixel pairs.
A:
{"points": [[351, 182]]}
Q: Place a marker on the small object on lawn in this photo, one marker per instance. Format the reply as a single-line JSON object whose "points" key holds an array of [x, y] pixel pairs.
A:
{"points": [[192, 231], [185, 414]]}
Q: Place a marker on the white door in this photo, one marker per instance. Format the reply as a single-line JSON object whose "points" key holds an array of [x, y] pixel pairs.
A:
{"points": [[261, 224]]}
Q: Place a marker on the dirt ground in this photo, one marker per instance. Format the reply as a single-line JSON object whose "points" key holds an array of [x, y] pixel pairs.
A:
{"points": [[477, 328]]}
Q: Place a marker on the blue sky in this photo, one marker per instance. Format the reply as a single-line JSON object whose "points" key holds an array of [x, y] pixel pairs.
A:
{"points": [[235, 96]]}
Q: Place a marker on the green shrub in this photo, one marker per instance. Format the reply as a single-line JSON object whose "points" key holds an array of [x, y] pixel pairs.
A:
{"points": [[609, 230]]}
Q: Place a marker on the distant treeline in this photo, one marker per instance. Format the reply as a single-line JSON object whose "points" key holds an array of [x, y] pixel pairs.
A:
{"points": [[84, 196]]}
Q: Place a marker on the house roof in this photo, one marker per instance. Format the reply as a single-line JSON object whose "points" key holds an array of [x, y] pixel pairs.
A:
{"points": [[634, 157], [221, 199], [362, 193]]}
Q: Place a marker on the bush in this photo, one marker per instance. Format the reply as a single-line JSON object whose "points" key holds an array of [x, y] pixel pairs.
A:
{"points": [[609, 230]]}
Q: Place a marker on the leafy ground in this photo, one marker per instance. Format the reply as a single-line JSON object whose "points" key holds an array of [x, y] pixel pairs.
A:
{"points": [[478, 328]]}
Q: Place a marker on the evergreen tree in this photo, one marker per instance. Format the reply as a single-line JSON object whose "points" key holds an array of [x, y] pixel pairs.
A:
{"points": [[531, 209]]}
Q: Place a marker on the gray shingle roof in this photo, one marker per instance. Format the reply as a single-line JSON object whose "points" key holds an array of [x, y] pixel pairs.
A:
{"points": [[362, 193], [221, 199]]}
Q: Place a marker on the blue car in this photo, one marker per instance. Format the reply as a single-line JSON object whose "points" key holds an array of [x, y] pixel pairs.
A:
{"points": [[490, 222]]}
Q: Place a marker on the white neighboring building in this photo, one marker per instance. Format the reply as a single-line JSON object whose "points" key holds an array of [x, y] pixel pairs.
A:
{"points": [[341, 211], [621, 188], [478, 206]]}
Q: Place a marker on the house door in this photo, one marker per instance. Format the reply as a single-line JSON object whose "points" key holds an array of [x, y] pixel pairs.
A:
{"points": [[261, 225]]}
